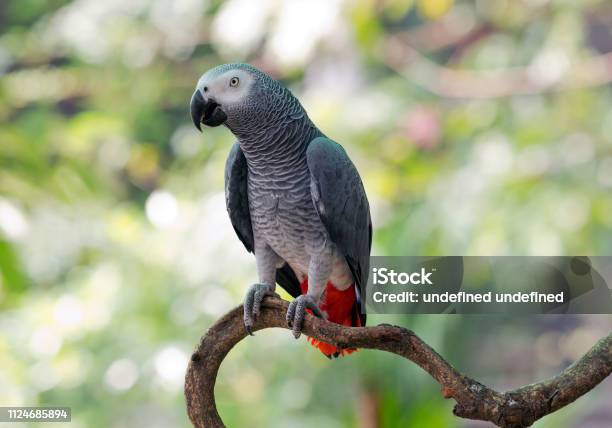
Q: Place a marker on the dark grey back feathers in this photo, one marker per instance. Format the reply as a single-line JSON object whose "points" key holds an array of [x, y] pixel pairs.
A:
{"points": [[236, 196], [342, 205]]}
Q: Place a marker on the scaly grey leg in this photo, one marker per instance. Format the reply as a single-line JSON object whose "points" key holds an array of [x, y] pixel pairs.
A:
{"points": [[319, 271], [267, 261]]}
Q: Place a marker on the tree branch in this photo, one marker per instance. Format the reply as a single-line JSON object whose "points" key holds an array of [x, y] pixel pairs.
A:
{"points": [[517, 408]]}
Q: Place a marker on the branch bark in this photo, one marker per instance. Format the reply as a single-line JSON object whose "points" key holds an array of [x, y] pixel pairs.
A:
{"points": [[512, 409]]}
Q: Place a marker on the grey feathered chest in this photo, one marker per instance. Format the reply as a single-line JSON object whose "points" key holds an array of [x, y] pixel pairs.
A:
{"points": [[282, 211]]}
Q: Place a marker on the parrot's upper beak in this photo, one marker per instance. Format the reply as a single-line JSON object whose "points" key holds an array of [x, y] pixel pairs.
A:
{"points": [[206, 111]]}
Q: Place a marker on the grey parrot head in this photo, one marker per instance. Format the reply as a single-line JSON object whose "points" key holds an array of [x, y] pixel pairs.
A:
{"points": [[237, 96]]}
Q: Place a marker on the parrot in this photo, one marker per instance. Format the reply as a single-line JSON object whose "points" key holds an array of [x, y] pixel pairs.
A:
{"points": [[294, 197]]}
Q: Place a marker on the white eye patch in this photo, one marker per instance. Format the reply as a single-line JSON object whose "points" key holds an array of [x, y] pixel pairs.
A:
{"points": [[230, 87]]}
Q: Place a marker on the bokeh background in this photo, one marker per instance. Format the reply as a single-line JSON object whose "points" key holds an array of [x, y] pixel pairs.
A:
{"points": [[479, 128]]}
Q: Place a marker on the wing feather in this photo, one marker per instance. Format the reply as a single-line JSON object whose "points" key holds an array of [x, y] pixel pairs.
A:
{"points": [[341, 202]]}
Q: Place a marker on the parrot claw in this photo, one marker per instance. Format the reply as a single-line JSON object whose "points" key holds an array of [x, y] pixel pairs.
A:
{"points": [[252, 304], [297, 312]]}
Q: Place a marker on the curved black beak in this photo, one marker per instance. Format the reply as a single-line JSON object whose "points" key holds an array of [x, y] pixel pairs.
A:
{"points": [[197, 109], [204, 111]]}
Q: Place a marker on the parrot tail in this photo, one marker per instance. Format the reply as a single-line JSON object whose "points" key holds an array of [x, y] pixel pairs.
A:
{"points": [[342, 308]]}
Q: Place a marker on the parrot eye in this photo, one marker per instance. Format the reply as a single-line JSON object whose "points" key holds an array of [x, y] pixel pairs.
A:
{"points": [[234, 81]]}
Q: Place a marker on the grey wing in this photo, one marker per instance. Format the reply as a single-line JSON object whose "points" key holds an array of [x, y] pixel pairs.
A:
{"points": [[237, 204], [236, 196], [340, 200]]}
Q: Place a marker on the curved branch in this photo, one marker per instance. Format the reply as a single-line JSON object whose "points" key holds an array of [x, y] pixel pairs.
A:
{"points": [[517, 408]]}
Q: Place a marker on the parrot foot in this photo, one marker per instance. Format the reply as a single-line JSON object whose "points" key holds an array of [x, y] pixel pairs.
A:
{"points": [[252, 304], [297, 311]]}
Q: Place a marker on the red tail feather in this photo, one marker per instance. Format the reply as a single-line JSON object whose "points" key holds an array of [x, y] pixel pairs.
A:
{"points": [[341, 308]]}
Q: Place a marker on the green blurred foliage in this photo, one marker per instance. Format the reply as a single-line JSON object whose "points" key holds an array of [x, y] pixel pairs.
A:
{"points": [[116, 252]]}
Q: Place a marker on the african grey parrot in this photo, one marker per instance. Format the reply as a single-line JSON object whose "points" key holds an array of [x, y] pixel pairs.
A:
{"points": [[294, 197]]}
